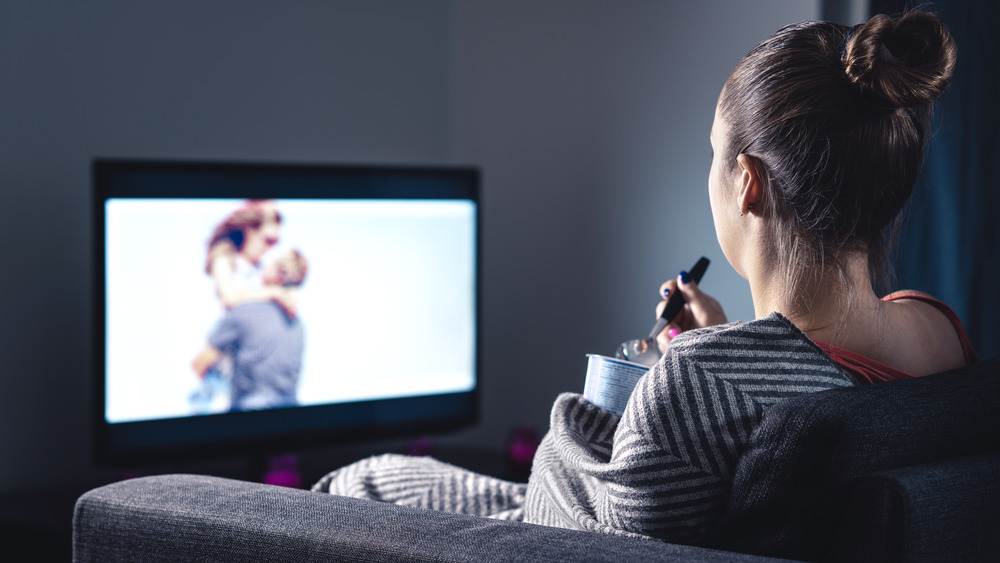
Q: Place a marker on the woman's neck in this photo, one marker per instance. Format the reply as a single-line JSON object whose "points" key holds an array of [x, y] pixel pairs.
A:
{"points": [[835, 306]]}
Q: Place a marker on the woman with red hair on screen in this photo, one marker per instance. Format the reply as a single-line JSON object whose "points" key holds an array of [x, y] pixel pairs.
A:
{"points": [[234, 256]]}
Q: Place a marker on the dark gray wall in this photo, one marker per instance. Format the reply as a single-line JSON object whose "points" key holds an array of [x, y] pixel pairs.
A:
{"points": [[845, 12], [589, 119]]}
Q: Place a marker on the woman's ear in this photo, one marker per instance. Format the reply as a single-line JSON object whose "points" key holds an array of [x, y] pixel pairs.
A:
{"points": [[750, 192]]}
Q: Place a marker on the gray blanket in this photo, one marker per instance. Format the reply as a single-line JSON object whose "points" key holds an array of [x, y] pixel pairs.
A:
{"points": [[663, 470]]}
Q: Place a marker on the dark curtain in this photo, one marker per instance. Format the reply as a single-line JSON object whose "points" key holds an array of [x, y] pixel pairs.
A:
{"points": [[950, 243]]}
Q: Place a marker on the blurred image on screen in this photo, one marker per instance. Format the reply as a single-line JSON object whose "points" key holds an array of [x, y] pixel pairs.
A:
{"points": [[383, 305]]}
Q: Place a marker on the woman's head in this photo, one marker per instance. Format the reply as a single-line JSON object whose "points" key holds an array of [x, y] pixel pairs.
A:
{"points": [[834, 120], [249, 231]]}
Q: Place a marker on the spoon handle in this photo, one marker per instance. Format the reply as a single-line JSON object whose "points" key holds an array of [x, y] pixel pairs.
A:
{"points": [[676, 300]]}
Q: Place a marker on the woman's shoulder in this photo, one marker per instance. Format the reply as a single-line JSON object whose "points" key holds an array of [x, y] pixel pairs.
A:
{"points": [[222, 253], [931, 329]]}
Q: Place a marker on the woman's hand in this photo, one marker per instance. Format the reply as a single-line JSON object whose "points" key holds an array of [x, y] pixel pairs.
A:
{"points": [[700, 310]]}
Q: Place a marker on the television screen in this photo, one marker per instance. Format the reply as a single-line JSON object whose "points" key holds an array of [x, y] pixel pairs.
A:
{"points": [[255, 308]]}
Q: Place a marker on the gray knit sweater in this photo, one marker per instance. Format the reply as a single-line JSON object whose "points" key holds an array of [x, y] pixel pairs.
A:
{"points": [[663, 470]]}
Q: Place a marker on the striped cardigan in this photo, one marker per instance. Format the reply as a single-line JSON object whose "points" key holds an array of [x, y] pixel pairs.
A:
{"points": [[663, 470]]}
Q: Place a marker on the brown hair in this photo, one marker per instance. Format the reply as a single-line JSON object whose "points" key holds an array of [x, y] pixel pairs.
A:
{"points": [[836, 119], [228, 236]]}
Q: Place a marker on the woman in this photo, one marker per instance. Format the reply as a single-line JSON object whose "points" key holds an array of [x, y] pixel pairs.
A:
{"points": [[234, 256], [817, 137]]}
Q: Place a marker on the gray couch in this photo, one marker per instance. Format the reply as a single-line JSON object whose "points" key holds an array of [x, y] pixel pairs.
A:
{"points": [[903, 471]]}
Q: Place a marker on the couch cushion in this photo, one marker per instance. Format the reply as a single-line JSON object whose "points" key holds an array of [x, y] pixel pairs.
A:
{"points": [[200, 518], [794, 480]]}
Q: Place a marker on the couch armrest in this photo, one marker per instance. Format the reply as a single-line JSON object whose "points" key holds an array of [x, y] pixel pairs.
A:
{"points": [[192, 517], [792, 483], [942, 511]]}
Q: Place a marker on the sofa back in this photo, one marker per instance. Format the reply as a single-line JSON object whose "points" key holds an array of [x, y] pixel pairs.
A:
{"points": [[792, 485]]}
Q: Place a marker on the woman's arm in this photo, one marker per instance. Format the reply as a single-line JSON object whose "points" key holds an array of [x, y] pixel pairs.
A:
{"points": [[206, 358]]}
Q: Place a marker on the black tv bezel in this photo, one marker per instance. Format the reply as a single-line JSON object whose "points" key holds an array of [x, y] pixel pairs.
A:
{"points": [[260, 433]]}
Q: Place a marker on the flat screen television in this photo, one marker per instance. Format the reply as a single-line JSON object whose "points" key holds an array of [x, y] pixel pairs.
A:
{"points": [[248, 309]]}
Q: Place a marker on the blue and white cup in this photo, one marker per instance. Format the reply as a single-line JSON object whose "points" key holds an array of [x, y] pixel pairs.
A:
{"points": [[610, 382]]}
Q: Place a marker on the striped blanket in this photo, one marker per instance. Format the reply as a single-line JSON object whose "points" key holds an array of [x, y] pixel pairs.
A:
{"points": [[663, 470]]}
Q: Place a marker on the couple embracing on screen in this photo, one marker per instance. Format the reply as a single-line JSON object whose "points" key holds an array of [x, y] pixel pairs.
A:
{"points": [[255, 351]]}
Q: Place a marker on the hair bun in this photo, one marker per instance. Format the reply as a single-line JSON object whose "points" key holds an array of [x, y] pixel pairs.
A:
{"points": [[906, 63]]}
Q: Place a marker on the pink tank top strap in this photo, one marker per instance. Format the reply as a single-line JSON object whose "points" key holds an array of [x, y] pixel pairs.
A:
{"points": [[860, 367]]}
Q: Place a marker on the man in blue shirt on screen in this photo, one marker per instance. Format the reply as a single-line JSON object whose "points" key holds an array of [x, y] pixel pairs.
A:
{"points": [[265, 342]]}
